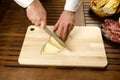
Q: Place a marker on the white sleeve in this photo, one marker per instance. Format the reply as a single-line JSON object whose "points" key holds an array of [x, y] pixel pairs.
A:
{"points": [[24, 3], [72, 5]]}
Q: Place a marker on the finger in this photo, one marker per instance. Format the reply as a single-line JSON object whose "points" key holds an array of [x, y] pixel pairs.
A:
{"points": [[56, 27], [71, 27], [43, 25], [59, 32], [65, 33], [35, 22]]}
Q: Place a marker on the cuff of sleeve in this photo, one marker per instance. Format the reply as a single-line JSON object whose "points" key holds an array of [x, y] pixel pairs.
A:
{"points": [[24, 3], [71, 5]]}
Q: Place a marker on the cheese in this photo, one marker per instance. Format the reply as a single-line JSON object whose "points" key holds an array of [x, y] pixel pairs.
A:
{"points": [[55, 43], [53, 47], [49, 49]]}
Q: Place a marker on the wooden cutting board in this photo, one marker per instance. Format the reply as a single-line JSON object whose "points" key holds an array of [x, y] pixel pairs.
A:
{"points": [[86, 45]]}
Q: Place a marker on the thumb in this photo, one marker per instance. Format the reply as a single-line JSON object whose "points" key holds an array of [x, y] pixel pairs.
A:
{"points": [[43, 25]]}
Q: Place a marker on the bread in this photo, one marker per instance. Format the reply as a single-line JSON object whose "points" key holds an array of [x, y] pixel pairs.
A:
{"points": [[105, 8]]}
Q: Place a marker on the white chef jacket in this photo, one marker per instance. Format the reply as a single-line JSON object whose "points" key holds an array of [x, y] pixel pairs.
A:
{"points": [[70, 5]]}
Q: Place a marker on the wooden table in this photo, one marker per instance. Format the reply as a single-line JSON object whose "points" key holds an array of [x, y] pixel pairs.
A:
{"points": [[13, 26]]}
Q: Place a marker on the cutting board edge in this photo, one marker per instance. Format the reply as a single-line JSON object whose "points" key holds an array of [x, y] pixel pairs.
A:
{"points": [[21, 62], [47, 65]]}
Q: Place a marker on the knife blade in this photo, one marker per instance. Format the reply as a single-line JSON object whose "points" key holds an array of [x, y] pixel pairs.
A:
{"points": [[56, 38]]}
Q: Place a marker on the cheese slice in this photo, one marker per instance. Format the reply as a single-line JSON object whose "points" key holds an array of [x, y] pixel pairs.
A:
{"points": [[55, 43], [52, 46], [48, 48]]}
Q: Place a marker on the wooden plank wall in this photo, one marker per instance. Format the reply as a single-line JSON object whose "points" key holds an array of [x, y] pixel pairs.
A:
{"points": [[4, 5]]}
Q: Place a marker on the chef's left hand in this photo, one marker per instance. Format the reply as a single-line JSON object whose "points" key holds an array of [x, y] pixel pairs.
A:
{"points": [[64, 24]]}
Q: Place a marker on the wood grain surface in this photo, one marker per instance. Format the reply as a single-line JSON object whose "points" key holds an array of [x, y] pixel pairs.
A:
{"points": [[12, 32], [86, 45]]}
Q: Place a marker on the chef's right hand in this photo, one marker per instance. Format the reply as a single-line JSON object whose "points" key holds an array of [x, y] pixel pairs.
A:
{"points": [[37, 14]]}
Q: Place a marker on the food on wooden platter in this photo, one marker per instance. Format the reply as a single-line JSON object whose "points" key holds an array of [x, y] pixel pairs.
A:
{"points": [[86, 50], [104, 8], [48, 48], [111, 30], [52, 46]]}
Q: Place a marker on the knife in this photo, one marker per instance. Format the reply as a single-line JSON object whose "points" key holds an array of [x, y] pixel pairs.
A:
{"points": [[56, 38]]}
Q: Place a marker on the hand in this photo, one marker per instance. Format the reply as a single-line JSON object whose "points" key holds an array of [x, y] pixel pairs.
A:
{"points": [[37, 14], [65, 24]]}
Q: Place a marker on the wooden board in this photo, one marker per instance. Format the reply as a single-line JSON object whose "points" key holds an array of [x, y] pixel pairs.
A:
{"points": [[86, 45]]}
